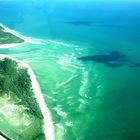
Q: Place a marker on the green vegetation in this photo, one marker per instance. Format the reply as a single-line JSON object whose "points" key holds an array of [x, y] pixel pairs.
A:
{"points": [[15, 83], [7, 37]]}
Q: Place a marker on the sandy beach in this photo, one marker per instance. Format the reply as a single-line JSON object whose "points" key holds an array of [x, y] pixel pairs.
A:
{"points": [[48, 125], [17, 34]]}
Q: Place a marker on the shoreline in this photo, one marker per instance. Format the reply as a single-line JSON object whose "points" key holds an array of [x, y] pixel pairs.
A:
{"points": [[3, 136], [48, 124], [19, 35]]}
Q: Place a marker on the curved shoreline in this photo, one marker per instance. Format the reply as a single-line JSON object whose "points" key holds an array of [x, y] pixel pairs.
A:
{"points": [[17, 34], [48, 124]]}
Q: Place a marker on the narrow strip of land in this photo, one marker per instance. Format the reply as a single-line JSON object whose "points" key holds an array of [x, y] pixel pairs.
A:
{"points": [[7, 37]]}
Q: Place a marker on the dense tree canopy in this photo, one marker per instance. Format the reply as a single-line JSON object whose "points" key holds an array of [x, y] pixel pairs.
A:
{"points": [[15, 81]]}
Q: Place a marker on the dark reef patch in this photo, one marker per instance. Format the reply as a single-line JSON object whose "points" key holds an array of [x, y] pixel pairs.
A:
{"points": [[90, 23], [110, 59], [79, 23]]}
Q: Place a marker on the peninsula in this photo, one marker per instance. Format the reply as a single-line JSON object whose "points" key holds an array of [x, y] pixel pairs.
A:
{"points": [[20, 114], [23, 111], [9, 38]]}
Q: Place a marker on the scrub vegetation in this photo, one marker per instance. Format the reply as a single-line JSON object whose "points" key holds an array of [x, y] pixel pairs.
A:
{"points": [[8, 38]]}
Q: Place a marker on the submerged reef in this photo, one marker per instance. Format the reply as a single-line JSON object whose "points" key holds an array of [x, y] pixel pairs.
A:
{"points": [[20, 115], [112, 59]]}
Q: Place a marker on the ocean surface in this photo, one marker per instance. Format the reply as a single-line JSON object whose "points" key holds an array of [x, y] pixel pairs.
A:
{"points": [[87, 62]]}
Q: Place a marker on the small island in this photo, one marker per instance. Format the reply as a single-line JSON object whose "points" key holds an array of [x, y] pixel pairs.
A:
{"points": [[20, 114]]}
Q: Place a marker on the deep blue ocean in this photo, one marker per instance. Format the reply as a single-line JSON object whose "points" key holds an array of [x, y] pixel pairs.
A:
{"points": [[88, 65]]}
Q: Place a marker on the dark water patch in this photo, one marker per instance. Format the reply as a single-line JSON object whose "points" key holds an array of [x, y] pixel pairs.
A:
{"points": [[94, 23], [79, 23], [111, 59]]}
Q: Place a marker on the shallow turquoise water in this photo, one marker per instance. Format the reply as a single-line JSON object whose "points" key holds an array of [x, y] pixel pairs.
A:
{"points": [[88, 99]]}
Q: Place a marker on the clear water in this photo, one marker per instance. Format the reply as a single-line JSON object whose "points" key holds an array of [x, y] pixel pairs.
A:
{"points": [[88, 99]]}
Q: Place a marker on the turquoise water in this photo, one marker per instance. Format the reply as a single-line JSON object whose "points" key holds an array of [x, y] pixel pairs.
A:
{"points": [[87, 64]]}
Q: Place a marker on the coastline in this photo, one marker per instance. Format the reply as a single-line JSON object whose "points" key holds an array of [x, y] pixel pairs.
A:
{"points": [[48, 124], [19, 35], [2, 138]]}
